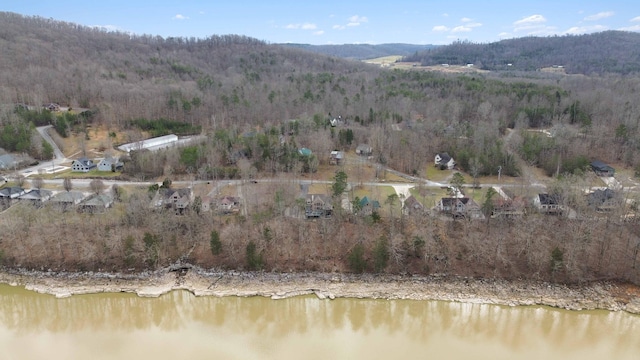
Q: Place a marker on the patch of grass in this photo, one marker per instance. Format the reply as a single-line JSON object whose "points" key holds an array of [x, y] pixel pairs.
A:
{"points": [[90, 174], [389, 177], [435, 174], [384, 59]]}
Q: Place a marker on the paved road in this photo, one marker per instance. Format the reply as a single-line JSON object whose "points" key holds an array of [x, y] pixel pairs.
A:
{"points": [[58, 155]]}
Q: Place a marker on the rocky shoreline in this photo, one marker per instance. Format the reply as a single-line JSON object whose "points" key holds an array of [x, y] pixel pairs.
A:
{"points": [[598, 295]]}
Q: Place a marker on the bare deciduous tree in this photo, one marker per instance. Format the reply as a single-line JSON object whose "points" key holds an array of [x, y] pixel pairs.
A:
{"points": [[96, 186], [37, 183], [67, 184]]}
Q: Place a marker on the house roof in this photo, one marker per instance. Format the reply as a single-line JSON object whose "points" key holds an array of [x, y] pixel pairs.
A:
{"points": [[412, 202], [304, 152], [7, 160], [549, 199], [321, 197], [228, 200], [444, 158], [37, 195], [599, 196], [85, 162], [109, 160], [11, 191], [337, 154], [363, 147], [67, 197], [600, 166], [365, 201], [182, 192], [98, 200]]}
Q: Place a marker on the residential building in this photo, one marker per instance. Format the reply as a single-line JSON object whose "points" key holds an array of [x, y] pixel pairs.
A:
{"points": [[8, 161], [460, 207], [228, 205], [444, 161], [602, 169], [96, 204], [66, 200], [82, 165], [368, 207], [318, 206], [364, 150], [36, 196], [336, 157], [110, 164], [412, 206], [175, 199], [603, 200], [549, 204]]}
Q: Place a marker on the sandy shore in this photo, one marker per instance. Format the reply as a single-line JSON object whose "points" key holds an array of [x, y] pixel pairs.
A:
{"points": [[607, 296]]}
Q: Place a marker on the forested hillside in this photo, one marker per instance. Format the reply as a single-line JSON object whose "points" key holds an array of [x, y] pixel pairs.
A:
{"points": [[363, 51], [599, 53], [257, 105], [234, 84]]}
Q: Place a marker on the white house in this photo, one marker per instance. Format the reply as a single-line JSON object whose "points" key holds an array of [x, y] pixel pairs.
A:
{"points": [[444, 161], [109, 164]]}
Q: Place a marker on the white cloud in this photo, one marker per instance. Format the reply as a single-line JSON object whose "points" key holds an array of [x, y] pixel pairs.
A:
{"points": [[599, 16], [637, 18], [533, 25], [305, 26], [529, 20], [466, 19], [585, 29], [356, 20], [635, 28], [180, 17], [458, 29], [319, 32], [353, 21], [440, 28], [445, 15]]}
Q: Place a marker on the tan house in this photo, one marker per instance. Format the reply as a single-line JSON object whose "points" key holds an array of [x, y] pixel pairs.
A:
{"points": [[228, 205], [318, 206]]}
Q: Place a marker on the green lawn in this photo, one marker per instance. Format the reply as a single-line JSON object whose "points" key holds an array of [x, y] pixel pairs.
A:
{"points": [[435, 174]]}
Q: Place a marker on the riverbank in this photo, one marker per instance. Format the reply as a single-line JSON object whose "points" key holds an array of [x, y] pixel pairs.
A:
{"points": [[600, 295]]}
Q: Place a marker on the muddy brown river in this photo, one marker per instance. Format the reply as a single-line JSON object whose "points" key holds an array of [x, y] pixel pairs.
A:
{"points": [[179, 325]]}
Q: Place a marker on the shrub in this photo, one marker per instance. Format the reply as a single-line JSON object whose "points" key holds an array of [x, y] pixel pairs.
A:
{"points": [[254, 259], [356, 260], [381, 254], [215, 244]]}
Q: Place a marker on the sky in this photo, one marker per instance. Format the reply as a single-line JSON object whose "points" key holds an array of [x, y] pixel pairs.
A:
{"points": [[323, 22]]}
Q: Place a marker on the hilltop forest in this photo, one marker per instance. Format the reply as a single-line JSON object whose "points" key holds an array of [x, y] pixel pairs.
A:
{"points": [[608, 52], [263, 102]]}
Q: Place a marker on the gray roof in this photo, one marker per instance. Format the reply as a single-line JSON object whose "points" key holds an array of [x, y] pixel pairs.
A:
{"points": [[7, 160], [68, 197], [36, 194], [600, 166], [12, 191], [98, 200]]}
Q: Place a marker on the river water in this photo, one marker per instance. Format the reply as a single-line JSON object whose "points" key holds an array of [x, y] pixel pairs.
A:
{"points": [[179, 325]]}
